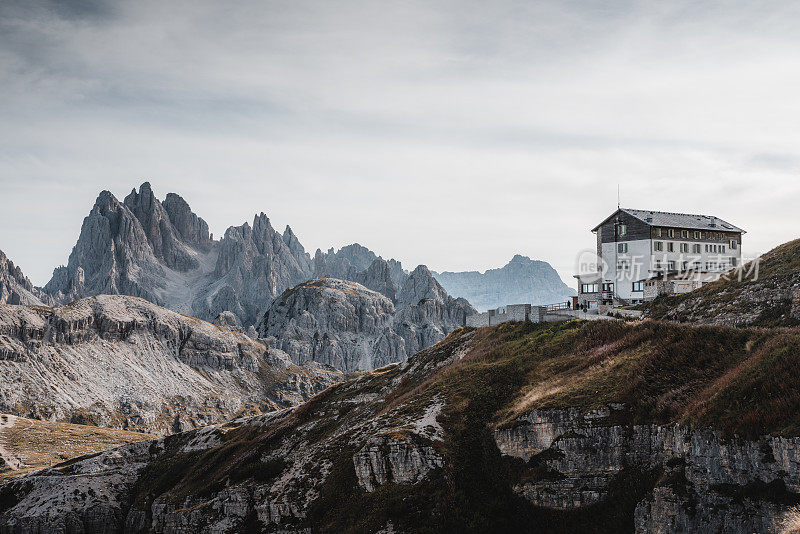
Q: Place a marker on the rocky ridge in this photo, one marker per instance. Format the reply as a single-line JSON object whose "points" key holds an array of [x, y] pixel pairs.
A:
{"points": [[15, 288], [351, 262], [519, 427], [350, 327], [123, 362], [520, 281], [701, 480], [163, 252], [765, 292]]}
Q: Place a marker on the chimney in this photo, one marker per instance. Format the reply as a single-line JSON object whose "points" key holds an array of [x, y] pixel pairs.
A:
{"points": [[650, 217], [713, 223]]}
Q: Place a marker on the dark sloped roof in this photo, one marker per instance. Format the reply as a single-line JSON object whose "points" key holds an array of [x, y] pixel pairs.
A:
{"points": [[679, 220]]}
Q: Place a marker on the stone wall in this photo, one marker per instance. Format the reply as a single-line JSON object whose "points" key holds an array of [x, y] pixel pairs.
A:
{"points": [[504, 314], [526, 312]]}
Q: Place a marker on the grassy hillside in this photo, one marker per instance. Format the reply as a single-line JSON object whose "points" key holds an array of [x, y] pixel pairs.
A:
{"points": [[741, 381], [768, 296], [31, 444]]}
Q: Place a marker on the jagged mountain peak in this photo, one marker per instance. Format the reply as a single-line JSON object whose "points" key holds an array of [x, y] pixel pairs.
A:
{"points": [[191, 228], [130, 247], [111, 242], [420, 285], [16, 288], [421, 271], [161, 234], [105, 198], [162, 251], [261, 222], [351, 262]]}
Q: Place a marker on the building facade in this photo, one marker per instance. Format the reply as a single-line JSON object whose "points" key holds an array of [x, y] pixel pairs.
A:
{"points": [[641, 254]]}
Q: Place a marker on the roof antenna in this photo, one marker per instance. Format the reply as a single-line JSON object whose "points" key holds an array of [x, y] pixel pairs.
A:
{"points": [[618, 203]]}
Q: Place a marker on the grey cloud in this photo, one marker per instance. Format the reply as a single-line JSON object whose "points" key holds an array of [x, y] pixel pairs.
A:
{"points": [[403, 122]]}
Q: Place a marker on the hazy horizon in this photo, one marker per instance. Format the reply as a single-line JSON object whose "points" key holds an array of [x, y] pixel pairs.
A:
{"points": [[451, 134]]}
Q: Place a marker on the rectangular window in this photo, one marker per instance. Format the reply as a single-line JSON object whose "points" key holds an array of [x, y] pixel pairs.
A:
{"points": [[589, 288], [622, 229], [708, 248], [722, 249], [658, 246], [608, 287], [733, 262], [685, 234], [657, 265], [733, 244], [671, 232], [622, 248], [696, 266], [698, 235], [670, 247], [671, 265], [638, 286], [696, 249], [684, 247], [658, 232], [685, 266]]}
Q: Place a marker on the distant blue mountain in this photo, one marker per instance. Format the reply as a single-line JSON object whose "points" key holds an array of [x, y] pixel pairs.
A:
{"points": [[521, 281]]}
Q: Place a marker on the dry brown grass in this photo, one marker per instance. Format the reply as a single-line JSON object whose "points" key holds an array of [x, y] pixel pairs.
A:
{"points": [[790, 522], [40, 444]]}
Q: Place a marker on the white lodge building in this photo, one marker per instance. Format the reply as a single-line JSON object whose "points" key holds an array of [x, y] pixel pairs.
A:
{"points": [[642, 254]]}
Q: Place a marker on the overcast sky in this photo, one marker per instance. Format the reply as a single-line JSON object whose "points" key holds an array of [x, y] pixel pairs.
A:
{"points": [[454, 134]]}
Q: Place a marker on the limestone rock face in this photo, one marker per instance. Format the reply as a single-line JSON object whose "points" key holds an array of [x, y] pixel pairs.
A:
{"points": [[297, 250], [15, 288], [255, 264], [350, 327], [520, 281], [165, 240], [697, 472], [426, 312], [112, 256], [192, 229], [228, 319], [378, 277], [336, 322], [346, 261], [386, 459], [123, 362], [353, 262]]}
